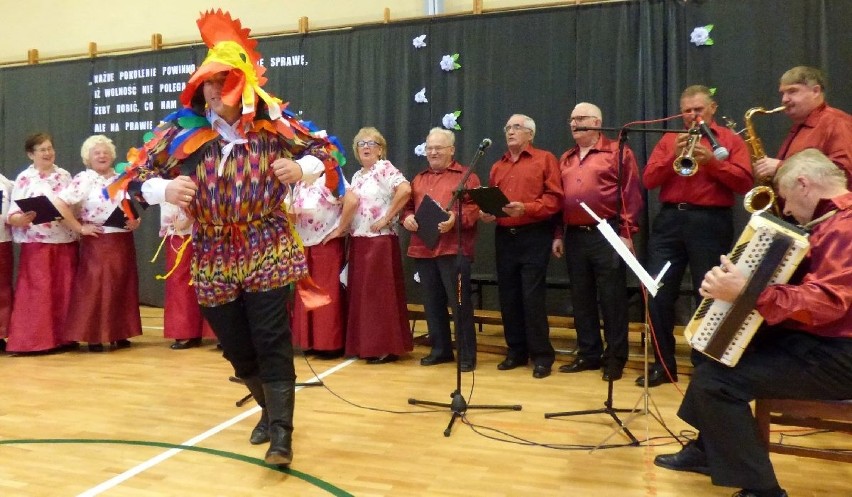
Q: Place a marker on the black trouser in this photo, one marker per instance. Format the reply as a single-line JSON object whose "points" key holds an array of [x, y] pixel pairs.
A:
{"points": [[439, 282], [779, 365], [254, 331], [523, 254], [598, 275], [683, 237]]}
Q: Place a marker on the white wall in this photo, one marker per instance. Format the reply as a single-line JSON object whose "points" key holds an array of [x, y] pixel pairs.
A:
{"points": [[65, 27]]}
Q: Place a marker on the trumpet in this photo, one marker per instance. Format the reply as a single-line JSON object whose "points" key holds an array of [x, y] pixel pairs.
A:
{"points": [[685, 164]]}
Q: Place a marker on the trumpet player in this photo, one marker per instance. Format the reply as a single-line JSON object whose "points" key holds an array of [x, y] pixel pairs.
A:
{"points": [[815, 123], [695, 224]]}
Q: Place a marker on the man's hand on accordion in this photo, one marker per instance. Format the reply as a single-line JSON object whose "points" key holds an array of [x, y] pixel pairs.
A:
{"points": [[723, 282]]}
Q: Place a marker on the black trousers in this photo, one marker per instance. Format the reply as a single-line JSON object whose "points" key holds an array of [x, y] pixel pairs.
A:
{"points": [[779, 364], [254, 331], [693, 238], [439, 282], [598, 278], [523, 254]]}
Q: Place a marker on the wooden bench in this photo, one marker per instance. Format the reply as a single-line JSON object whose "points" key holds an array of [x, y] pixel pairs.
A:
{"points": [[818, 414]]}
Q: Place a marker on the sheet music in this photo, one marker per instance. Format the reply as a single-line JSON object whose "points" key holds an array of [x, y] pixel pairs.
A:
{"points": [[618, 244]]}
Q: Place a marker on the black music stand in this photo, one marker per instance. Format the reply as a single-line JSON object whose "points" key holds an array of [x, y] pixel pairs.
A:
{"points": [[458, 405]]}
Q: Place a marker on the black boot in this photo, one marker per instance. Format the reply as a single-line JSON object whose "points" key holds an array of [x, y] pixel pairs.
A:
{"points": [[260, 433], [280, 402]]}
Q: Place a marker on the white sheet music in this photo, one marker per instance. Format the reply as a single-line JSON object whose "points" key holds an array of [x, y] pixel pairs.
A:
{"points": [[618, 244]]}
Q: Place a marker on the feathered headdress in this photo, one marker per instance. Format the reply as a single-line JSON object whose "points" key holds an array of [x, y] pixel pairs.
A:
{"points": [[231, 50]]}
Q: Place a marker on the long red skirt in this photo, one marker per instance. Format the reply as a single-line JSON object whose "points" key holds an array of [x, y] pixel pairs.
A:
{"points": [[377, 321], [6, 265], [42, 296], [322, 328], [181, 313], [105, 304]]}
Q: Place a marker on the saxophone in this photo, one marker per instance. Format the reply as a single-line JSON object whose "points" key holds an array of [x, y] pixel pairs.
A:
{"points": [[761, 198]]}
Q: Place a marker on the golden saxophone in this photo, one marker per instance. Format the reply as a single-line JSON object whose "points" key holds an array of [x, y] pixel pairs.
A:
{"points": [[685, 164], [761, 198]]}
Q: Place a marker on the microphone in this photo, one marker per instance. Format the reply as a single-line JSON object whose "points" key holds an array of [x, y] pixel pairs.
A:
{"points": [[719, 151], [485, 144]]}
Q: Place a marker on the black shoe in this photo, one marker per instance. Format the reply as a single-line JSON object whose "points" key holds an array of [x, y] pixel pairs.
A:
{"points": [[509, 363], [753, 493], [96, 347], [328, 354], [185, 344], [690, 458], [431, 360], [580, 364], [383, 359], [612, 375], [541, 372], [656, 377], [467, 367], [122, 344], [2, 345], [218, 346]]}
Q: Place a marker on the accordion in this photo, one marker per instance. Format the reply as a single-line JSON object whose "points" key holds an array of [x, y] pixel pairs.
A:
{"points": [[767, 252]]}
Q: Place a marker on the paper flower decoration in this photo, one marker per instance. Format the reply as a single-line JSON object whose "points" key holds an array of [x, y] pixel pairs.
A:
{"points": [[712, 91], [450, 62], [420, 97], [450, 121], [701, 35], [420, 150], [419, 42]]}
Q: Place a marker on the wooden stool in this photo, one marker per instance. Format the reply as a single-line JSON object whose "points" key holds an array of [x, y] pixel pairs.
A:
{"points": [[819, 414]]}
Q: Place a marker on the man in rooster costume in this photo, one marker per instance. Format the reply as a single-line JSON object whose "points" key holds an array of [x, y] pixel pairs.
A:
{"points": [[227, 157]]}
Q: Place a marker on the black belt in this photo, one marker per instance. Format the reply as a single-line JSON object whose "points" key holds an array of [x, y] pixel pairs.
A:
{"points": [[514, 230], [581, 227], [685, 206]]}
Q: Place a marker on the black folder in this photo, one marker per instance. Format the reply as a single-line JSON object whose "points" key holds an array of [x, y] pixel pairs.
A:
{"points": [[489, 199], [118, 219], [45, 210], [428, 216]]}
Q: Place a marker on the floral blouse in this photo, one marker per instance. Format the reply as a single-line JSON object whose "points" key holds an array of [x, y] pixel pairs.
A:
{"points": [[31, 183], [375, 188], [87, 191], [169, 215], [6, 192], [317, 211]]}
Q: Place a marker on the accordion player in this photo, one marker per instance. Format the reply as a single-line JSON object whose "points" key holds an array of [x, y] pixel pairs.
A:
{"points": [[767, 252]]}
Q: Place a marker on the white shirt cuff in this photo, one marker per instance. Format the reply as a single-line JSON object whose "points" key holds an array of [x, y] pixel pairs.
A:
{"points": [[312, 168], [154, 190]]}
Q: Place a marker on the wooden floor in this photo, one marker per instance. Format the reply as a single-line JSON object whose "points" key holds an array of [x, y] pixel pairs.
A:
{"points": [[150, 421]]}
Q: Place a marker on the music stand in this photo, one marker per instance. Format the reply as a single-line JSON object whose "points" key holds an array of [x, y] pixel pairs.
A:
{"points": [[458, 405]]}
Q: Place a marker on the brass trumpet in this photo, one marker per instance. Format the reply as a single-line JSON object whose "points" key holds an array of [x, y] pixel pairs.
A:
{"points": [[685, 164]]}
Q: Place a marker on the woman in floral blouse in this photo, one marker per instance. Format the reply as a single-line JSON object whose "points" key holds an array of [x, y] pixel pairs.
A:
{"points": [[377, 325]]}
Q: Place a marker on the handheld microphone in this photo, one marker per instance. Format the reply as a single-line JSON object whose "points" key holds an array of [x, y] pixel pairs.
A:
{"points": [[719, 151], [485, 144]]}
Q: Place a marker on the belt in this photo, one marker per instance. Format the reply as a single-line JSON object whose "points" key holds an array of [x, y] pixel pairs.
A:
{"points": [[581, 227], [685, 206], [514, 230]]}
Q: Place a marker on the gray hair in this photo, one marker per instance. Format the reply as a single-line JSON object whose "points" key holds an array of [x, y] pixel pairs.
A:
{"points": [[449, 135], [92, 142], [528, 123], [804, 75], [812, 164]]}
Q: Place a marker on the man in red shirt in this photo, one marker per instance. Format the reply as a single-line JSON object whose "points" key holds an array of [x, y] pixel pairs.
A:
{"points": [[695, 224], [529, 177], [591, 174], [440, 266], [804, 352], [815, 124]]}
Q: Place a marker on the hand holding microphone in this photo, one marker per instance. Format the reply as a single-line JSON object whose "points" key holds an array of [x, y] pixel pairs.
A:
{"points": [[720, 152]]}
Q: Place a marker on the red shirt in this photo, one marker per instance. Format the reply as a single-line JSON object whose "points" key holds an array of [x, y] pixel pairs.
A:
{"points": [[826, 129], [821, 302], [594, 180], [440, 186], [534, 180], [714, 184]]}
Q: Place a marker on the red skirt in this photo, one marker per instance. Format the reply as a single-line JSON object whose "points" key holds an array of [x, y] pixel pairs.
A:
{"points": [[105, 304], [181, 313], [322, 328], [6, 266], [42, 296], [377, 321]]}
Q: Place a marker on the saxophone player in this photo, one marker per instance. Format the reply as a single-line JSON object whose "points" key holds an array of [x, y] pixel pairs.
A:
{"points": [[815, 123], [695, 224], [805, 352]]}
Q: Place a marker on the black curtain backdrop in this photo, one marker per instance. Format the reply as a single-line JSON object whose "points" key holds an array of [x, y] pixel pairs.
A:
{"points": [[631, 58]]}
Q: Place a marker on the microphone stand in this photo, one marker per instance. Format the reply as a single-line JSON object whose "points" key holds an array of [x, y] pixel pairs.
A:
{"points": [[458, 405]]}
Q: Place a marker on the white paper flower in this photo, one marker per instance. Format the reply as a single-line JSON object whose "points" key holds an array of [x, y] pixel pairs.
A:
{"points": [[420, 97], [450, 121], [701, 35], [419, 42], [420, 150], [417, 277], [450, 62]]}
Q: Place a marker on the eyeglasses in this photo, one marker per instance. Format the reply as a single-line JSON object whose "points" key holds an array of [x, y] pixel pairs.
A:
{"points": [[436, 149], [43, 149], [366, 143], [514, 127], [577, 119]]}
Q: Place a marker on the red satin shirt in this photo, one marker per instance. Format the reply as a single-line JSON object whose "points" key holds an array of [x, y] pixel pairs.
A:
{"points": [[534, 180], [826, 129]]}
